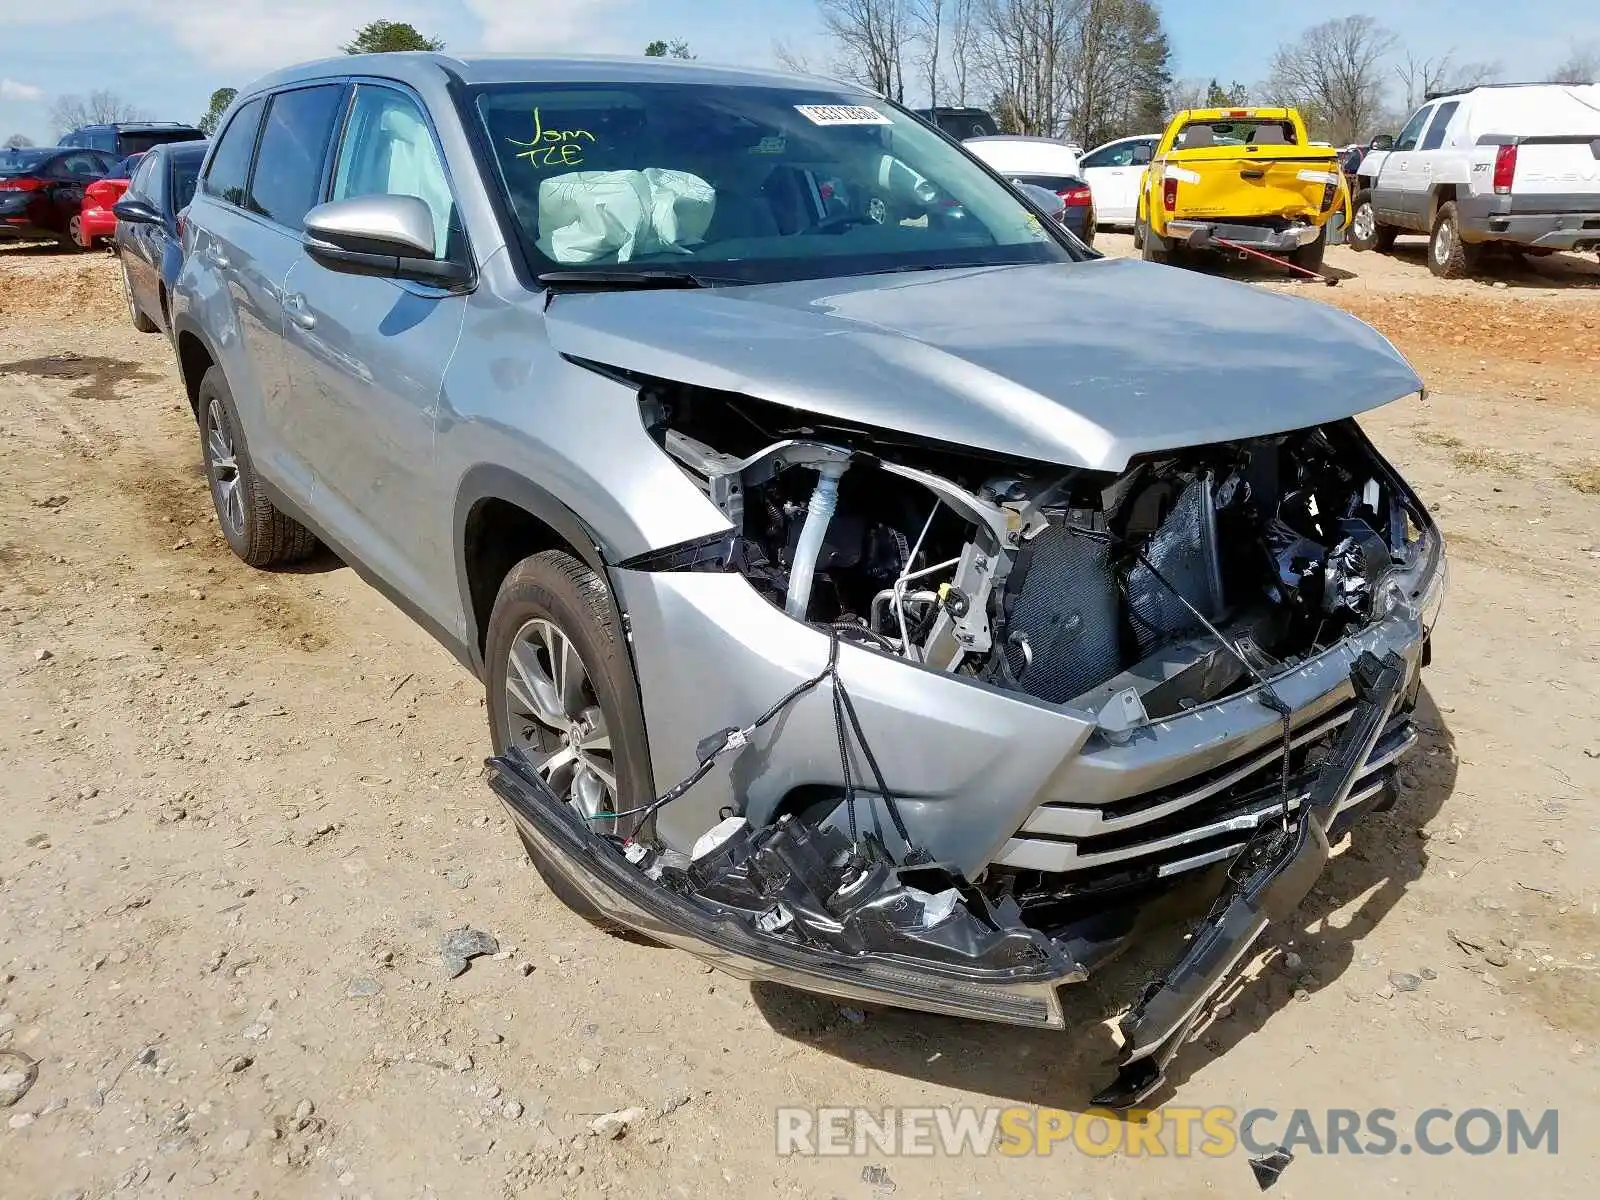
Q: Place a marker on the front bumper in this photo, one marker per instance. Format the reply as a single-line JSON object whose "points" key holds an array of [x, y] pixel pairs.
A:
{"points": [[1267, 881], [1203, 235]]}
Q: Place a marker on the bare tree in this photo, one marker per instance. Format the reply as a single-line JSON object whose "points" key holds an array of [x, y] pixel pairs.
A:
{"points": [[870, 36], [927, 19], [1333, 74], [1423, 77], [1186, 93], [17, 141], [963, 36], [97, 108], [790, 59], [1581, 66]]}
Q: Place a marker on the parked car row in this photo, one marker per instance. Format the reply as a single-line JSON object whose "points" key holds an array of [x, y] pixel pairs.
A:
{"points": [[67, 193]]}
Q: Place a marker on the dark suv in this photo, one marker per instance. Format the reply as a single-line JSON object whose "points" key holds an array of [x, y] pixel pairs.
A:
{"points": [[130, 137]]}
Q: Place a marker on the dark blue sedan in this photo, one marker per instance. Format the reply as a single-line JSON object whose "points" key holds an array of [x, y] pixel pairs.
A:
{"points": [[148, 238]]}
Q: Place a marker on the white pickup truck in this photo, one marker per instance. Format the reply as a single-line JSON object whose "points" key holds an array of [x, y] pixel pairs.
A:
{"points": [[1511, 164]]}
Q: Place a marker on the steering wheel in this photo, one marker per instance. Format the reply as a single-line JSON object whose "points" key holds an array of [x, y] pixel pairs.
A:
{"points": [[841, 222]]}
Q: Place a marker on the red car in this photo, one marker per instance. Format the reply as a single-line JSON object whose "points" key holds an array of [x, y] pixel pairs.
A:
{"points": [[96, 223]]}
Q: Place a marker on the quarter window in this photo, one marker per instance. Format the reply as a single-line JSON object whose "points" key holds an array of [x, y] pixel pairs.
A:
{"points": [[388, 150], [294, 146], [230, 161]]}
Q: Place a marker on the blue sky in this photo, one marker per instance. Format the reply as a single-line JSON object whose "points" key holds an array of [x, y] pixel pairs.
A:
{"points": [[167, 55]]}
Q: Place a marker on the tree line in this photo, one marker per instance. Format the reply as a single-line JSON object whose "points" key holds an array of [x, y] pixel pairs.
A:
{"points": [[1093, 70]]}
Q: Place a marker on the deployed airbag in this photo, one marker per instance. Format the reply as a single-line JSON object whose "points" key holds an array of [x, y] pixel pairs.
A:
{"points": [[585, 216]]}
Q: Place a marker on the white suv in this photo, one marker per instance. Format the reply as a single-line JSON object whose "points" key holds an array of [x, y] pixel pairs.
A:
{"points": [[1512, 164]]}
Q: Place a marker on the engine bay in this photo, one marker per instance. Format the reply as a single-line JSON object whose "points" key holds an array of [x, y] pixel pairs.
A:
{"points": [[1106, 592]]}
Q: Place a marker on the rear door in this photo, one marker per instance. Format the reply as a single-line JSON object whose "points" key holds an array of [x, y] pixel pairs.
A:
{"points": [[1113, 174], [368, 356], [69, 175]]}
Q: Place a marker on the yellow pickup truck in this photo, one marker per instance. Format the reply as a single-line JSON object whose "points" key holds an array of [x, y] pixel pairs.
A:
{"points": [[1250, 176]]}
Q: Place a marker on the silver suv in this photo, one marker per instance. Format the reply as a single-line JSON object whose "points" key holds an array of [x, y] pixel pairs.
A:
{"points": [[875, 589]]}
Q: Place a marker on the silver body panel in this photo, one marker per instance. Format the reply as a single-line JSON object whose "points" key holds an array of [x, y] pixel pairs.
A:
{"points": [[398, 406]]}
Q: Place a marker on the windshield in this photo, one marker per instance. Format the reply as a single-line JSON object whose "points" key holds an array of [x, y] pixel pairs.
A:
{"points": [[766, 183]]}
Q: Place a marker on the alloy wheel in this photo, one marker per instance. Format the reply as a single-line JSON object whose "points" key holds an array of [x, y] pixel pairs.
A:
{"points": [[127, 295], [555, 718], [1444, 238], [222, 465], [1365, 224]]}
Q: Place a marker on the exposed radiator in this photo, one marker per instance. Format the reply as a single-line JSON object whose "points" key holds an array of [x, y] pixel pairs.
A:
{"points": [[1075, 624]]}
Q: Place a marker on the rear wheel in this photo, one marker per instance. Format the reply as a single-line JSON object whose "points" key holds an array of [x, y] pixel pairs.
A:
{"points": [[561, 690], [1153, 247], [1366, 233], [1138, 234], [75, 234], [1309, 258], [258, 533], [1448, 256]]}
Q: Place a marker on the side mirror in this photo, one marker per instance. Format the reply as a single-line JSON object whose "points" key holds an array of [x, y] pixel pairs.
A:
{"points": [[1142, 155], [387, 236], [136, 212], [1384, 141]]}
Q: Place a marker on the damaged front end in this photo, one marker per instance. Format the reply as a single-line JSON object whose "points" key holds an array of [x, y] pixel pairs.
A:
{"points": [[1039, 698]]}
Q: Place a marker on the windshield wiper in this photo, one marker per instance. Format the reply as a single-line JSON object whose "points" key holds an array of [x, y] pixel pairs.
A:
{"points": [[647, 277]]}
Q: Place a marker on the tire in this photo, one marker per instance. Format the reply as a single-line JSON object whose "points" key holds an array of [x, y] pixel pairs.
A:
{"points": [[1138, 234], [1448, 256], [140, 322], [1365, 232], [1153, 248], [75, 234], [552, 589], [258, 533], [1309, 258]]}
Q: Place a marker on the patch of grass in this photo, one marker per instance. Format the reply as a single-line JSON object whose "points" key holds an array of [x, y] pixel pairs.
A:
{"points": [[1471, 458], [1585, 478], [1487, 460]]}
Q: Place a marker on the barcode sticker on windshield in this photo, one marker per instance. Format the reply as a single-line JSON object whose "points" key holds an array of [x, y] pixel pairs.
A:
{"points": [[842, 114]]}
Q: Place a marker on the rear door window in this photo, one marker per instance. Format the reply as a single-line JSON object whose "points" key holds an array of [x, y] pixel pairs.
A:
{"points": [[294, 146], [230, 164], [1440, 122]]}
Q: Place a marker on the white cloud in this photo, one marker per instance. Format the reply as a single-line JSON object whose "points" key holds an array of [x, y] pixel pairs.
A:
{"points": [[553, 25], [11, 89], [241, 40]]}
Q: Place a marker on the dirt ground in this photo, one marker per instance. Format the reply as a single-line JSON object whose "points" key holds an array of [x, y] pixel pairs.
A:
{"points": [[243, 809]]}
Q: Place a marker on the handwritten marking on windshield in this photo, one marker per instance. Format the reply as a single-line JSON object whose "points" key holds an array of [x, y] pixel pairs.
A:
{"points": [[553, 147]]}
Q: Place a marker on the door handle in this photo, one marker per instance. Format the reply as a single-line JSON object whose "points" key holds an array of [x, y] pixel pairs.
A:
{"points": [[216, 257], [295, 305]]}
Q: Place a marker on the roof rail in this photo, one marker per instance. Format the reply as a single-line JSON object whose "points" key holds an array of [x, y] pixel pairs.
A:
{"points": [[1462, 91]]}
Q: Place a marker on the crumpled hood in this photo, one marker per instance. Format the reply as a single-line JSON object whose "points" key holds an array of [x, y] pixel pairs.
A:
{"points": [[1081, 364]]}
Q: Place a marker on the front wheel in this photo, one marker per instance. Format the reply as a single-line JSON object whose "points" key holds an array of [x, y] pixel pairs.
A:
{"points": [[1448, 256], [1366, 233], [560, 689], [136, 314]]}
